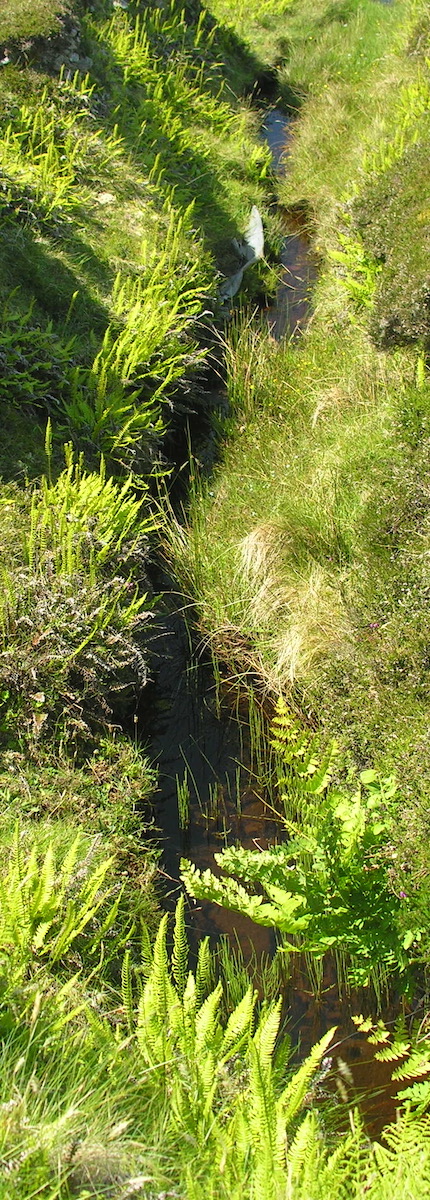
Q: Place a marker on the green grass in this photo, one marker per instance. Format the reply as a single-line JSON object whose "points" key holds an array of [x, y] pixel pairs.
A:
{"points": [[306, 551], [29, 18]]}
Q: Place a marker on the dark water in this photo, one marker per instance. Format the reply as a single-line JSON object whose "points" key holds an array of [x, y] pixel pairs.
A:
{"points": [[193, 740], [190, 740], [189, 736], [290, 313]]}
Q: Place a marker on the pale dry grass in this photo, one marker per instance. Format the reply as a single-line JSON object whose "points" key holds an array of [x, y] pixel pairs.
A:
{"points": [[300, 617]]}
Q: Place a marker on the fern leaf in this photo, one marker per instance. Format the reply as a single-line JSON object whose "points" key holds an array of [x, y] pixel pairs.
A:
{"points": [[301, 1149], [266, 1033], [68, 865], [262, 1114], [292, 1097], [180, 949], [127, 990], [159, 977], [205, 971], [207, 1021], [190, 1000], [46, 886], [417, 1064], [239, 1025]]}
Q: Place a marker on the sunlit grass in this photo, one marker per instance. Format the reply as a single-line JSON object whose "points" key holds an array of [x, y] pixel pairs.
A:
{"points": [[29, 18]]}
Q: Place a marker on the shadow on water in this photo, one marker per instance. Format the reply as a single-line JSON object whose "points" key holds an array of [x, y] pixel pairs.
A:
{"points": [[193, 740], [194, 745], [201, 742], [299, 272]]}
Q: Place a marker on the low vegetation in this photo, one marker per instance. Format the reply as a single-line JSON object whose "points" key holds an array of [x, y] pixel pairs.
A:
{"points": [[128, 164], [306, 550]]}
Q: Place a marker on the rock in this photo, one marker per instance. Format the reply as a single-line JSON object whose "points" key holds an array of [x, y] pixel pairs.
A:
{"points": [[250, 250]]}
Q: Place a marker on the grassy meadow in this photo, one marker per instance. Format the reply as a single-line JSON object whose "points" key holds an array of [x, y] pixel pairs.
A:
{"points": [[130, 159]]}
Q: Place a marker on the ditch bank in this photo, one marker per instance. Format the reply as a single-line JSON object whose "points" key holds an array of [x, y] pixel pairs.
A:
{"points": [[206, 741]]}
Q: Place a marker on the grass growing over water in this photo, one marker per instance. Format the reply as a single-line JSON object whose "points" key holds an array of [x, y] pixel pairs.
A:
{"points": [[307, 549]]}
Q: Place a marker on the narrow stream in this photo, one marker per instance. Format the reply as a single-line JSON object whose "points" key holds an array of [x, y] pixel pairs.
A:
{"points": [[290, 313], [207, 751]]}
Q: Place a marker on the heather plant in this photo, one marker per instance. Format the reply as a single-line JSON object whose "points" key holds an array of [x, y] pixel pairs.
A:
{"points": [[71, 632]]}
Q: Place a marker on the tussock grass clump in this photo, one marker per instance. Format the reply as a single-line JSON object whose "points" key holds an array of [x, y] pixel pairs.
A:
{"points": [[274, 535]]}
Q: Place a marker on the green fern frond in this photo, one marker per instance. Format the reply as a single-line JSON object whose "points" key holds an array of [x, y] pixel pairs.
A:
{"points": [[302, 1154], [45, 888], [207, 1021], [239, 1025], [180, 948], [417, 1064], [205, 972], [159, 973], [292, 1097], [127, 990], [266, 1034]]}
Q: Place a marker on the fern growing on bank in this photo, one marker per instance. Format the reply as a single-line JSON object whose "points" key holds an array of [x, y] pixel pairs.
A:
{"points": [[218, 1073], [326, 887], [160, 1089]]}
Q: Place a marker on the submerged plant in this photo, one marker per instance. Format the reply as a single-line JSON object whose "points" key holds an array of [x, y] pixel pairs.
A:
{"points": [[183, 796]]}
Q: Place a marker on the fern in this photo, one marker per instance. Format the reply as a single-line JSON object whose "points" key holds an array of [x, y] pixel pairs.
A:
{"points": [[219, 1072], [326, 887], [239, 1025], [205, 971], [46, 905], [180, 949], [127, 990], [293, 1095]]}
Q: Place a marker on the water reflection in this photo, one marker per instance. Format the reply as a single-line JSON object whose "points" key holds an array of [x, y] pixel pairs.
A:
{"points": [[290, 312]]}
